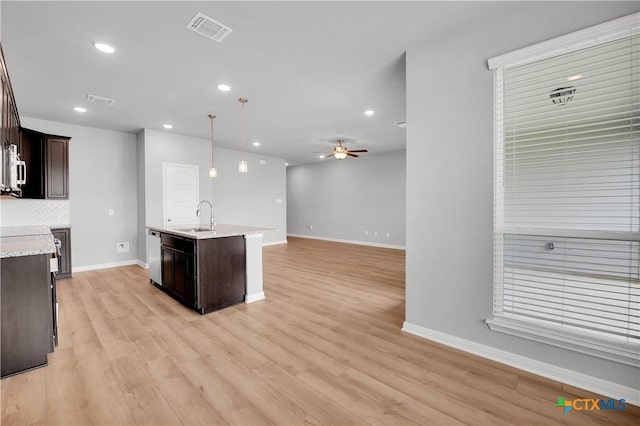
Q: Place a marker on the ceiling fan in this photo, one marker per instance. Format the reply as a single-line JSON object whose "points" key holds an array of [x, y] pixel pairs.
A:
{"points": [[340, 152]]}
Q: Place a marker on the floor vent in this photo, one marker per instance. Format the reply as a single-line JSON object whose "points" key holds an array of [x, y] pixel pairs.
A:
{"points": [[402, 124], [101, 100], [208, 27]]}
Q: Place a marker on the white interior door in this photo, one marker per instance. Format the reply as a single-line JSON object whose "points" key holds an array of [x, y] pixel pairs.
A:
{"points": [[180, 193]]}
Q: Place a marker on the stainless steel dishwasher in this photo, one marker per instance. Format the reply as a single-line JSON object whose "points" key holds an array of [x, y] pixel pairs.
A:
{"points": [[153, 257]]}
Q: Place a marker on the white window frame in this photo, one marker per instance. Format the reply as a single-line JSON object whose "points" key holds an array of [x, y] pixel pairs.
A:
{"points": [[530, 329]]}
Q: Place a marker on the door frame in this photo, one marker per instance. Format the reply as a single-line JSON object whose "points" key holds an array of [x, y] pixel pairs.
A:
{"points": [[164, 185]]}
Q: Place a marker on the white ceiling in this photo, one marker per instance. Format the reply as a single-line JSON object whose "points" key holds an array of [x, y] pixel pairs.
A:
{"points": [[309, 69]]}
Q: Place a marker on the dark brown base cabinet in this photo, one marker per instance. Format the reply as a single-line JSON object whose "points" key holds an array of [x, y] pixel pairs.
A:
{"points": [[205, 275], [64, 265], [178, 269], [27, 313]]}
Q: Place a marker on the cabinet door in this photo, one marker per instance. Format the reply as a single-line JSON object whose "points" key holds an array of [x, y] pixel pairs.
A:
{"points": [[32, 152], [167, 268], [189, 280], [64, 235], [57, 168], [178, 274]]}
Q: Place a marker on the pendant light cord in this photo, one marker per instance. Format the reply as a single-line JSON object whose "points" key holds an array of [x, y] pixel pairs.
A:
{"points": [[212, 116], [242, 101]]}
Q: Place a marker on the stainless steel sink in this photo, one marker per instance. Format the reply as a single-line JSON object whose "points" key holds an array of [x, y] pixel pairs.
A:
{"points": [[195, 230]]}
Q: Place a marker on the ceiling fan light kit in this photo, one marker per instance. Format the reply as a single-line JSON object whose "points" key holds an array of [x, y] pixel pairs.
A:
{"points": [[340, 152]]}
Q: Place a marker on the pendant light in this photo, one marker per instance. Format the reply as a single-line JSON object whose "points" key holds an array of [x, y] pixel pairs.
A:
{"points": [[213, 172], [242, 166]]}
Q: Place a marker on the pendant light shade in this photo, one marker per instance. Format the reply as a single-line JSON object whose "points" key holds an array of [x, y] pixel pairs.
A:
{"points": [[242, 166], [213, 172]]}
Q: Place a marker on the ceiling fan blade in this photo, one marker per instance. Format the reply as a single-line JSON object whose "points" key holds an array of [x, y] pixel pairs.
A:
{"points": [[358, 150], [352, 155], [329, 155]]}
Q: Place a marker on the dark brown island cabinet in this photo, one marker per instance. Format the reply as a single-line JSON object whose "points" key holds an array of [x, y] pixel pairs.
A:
{"points": [[64, 255], [204, 274], [47, 157], [28, 325]]}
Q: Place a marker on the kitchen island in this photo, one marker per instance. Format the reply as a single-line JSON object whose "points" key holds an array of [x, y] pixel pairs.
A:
{"points": [[28, 313], [209, 269]]}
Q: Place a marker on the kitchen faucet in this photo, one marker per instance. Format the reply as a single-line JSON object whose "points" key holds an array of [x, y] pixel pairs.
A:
{"points": [[211, 222]]}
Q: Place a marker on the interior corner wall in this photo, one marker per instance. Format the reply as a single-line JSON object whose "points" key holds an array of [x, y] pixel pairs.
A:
{"points": [[450, 178], [102, 176], [142, 232], [360, 200], [257, 198]]}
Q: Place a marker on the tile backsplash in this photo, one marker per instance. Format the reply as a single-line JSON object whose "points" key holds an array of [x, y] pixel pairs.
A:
{"points": [[34, 212]]}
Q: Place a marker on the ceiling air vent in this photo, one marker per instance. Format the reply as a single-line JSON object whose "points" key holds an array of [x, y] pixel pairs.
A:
{"points": [[101, 100], [402, 124], [208, 27], [562, 95]]}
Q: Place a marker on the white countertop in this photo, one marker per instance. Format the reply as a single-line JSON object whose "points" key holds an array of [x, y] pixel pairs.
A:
{"points": [[25, 241], [219, 230]]}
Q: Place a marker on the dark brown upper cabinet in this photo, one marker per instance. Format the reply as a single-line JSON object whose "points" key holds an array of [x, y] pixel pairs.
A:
{"points": [[47, 158], [10, 123], [57, 151]]}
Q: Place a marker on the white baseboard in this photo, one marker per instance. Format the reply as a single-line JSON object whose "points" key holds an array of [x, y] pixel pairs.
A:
{"points": [[106, 265], [254, 297], [559, 374], [142, 264], [273, 243], [338, 240]]}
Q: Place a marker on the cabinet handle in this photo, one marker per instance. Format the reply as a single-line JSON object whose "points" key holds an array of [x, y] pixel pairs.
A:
{"points": [[22, 173]]}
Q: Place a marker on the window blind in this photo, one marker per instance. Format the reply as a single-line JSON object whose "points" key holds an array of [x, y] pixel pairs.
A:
{"points": [[567, 195]]}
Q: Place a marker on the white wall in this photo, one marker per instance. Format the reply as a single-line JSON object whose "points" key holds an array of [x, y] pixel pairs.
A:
{"points": [[102, 176], [449, 177], [344, 199], [239, 199]]}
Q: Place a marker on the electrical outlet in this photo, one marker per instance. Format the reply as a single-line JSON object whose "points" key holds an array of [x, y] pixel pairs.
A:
{"points": [[366, 233], [111, 212], [309, 226], [122, 247], [388, 235], [375, 233], [278, 200]]}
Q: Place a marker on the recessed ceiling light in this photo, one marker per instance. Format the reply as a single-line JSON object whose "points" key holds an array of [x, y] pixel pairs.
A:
{"points": [[575, 77], [321, 156], [256, 143], [104, 47], [79, 109], [224, 87], [286, 164], [167, 126], [369, 112]]}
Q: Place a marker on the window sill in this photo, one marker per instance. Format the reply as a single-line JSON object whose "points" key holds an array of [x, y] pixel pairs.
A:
{"points": [[586, 343]]}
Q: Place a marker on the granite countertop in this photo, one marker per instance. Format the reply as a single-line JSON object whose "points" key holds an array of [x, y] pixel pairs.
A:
{"points": [[16, 231], [26, 245], [27, 240], [219, 231]]}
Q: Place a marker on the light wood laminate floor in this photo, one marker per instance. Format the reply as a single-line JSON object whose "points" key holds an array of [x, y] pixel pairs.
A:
{"points": [[325, 347]]}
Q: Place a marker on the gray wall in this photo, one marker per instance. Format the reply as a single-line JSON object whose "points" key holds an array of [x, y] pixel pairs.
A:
{"points": [[343, 199], [102, 176], [142, 234], [449, 177], [238, 199]]}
